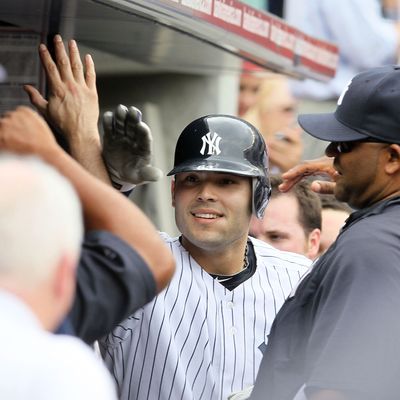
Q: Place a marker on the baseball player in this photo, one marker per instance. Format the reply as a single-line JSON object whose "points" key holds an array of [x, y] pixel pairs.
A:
{"points": [[203, 336]]}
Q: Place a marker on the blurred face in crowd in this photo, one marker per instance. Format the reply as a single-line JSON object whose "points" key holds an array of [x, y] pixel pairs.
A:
{"points": [[282, 229], [248, 90], [332, 221], [277, 108], [266, 102]]}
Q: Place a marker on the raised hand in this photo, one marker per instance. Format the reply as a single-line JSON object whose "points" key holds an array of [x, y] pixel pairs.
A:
{"points": [[319, 166], [127, 147], [72, 106], [23, 131]]}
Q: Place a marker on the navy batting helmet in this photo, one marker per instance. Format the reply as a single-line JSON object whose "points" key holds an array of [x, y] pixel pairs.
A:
{"points": [[223, 143]]}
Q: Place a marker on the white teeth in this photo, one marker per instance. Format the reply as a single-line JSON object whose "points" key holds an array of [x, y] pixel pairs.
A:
{"points": [[208, 216]]}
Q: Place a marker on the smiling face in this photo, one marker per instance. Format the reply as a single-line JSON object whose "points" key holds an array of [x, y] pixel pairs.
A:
{"points": [[212, 210]]}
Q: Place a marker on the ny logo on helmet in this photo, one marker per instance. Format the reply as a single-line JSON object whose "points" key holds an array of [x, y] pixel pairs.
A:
{"points": [[212, 142]]}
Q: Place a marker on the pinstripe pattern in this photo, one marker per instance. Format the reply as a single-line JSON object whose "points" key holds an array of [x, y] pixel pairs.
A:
{"points": [[198, 340]]}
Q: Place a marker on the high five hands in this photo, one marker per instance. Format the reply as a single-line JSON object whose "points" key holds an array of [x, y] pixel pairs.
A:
{"points": [[127, 147]]}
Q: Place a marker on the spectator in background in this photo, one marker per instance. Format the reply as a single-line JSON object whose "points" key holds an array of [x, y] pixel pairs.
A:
{"points": [[292, 220], [40, 238], [273, 113], [364, 37], [249, 84], [334, 215]]}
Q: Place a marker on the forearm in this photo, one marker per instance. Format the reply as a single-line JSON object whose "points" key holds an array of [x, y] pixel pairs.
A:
{"points": [[106, 209], [86, 149], [73, 108]]}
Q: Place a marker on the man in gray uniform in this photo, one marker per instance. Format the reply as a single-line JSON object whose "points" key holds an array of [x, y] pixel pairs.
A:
{"points": [[337, 336]]}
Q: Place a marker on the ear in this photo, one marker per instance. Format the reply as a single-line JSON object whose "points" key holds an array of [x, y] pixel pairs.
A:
{"points": [[173, 191], [65, 279], [314, 238], [392, 165]]}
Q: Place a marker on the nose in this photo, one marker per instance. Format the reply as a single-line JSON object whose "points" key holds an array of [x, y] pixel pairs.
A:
{"points": [[331, 150], [206, 192]]}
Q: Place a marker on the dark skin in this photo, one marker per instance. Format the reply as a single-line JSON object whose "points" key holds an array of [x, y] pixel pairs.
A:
{"points": [[318, 166], [369, 173]]}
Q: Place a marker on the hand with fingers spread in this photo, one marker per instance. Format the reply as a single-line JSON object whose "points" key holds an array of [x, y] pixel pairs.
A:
{"points": [[319, 166], [127, 147], [72, 106]]}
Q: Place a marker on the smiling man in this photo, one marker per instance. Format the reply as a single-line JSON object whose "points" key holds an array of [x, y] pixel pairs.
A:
{"points": [[203, 337], [337, 337]]}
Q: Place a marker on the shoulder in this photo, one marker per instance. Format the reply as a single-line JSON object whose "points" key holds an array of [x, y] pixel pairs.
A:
{"points": [[363, 248], [179, 252], [371, 236], [173, 241], [270, 256]]}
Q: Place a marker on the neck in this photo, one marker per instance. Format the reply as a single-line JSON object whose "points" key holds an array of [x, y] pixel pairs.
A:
{"points": [[226, 261]]}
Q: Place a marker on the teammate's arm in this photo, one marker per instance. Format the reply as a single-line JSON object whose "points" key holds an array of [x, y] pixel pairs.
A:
{"points": [[24, 132], [106, 288], [72, 106], [316, 167]]}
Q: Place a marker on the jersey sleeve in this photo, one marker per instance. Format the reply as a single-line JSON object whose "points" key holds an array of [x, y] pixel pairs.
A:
{"points": [[354, 340], [113, 281]]}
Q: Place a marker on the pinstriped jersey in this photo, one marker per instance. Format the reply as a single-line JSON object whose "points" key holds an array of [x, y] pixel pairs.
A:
{"points": [[198, 340]]}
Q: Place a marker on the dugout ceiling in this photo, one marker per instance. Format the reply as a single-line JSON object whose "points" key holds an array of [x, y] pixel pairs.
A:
{"points": [[193, 36]]}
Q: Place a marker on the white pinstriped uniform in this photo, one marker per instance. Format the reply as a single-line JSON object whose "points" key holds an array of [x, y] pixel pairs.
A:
{"points": [[196, 339]]}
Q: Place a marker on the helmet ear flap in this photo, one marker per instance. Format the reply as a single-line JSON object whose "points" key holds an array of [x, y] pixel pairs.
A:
{"points": [[261, 195]]}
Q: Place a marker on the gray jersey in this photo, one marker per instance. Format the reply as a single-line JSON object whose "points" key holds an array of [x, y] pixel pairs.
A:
{"points": [[196, 339]]}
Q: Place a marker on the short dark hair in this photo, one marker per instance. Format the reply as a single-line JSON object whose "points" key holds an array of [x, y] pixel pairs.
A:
{"points": [[329, 201], [309, 202]]}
